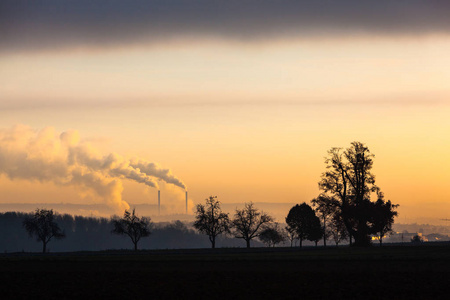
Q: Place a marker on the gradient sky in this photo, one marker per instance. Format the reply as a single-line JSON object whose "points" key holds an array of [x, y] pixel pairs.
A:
{"points": [[239, 99]]}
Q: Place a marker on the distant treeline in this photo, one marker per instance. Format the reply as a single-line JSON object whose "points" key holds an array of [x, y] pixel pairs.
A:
{"points": [[93, 234]]}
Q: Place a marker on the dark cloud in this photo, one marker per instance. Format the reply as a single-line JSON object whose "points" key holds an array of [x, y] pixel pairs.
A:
{"points": [[53, 24]]}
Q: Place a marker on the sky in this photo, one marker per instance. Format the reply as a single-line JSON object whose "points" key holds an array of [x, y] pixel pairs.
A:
{"points": [[109, 101]]}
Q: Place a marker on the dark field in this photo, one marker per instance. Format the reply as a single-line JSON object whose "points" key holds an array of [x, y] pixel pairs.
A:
{"points": [[390, 272]]}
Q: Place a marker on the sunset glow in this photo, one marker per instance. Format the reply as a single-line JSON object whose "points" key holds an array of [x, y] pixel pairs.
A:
{"points": [[245, 116]]}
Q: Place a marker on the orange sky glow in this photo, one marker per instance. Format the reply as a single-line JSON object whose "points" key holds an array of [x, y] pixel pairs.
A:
{"points": [[243, 120]]}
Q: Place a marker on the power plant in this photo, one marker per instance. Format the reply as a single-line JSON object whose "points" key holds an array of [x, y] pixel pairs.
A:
{"points": [[159, 203]]}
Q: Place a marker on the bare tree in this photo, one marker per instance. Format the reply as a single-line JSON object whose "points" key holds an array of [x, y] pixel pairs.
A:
{"points": [[210, 219], [133, 226], [291, 234], [325, 206], [248, 223], [41, 225], [337, 229]]}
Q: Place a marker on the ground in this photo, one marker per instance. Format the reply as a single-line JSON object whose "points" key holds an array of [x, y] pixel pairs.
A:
{"points": [[389, 272]]}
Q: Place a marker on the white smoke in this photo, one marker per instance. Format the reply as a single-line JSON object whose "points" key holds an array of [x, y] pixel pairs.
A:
{"points": [[62, 158], [152, 169]]}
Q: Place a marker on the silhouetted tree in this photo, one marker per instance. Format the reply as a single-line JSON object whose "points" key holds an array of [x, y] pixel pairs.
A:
{"points": [[271, 236], [291, 234], [316, 231], [337, 229], [384, 217], [210, 219], [43, 226], [248, 223], [325, 206], [349, 179], [303, 220], [133, 226]]}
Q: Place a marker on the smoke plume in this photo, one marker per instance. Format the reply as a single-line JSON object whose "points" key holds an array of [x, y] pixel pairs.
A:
{"points": [[62, 158]]}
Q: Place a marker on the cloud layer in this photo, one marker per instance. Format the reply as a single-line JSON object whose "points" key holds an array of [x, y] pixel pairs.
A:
{"points": [[54, 24], [48, 156]]}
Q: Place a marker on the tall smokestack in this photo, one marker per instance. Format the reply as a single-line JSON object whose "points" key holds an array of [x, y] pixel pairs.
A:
{"points": [[159, 202], [186, 202]]}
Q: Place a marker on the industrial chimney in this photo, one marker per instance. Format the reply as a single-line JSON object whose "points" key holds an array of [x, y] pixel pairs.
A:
{"points": [[186, 203], [159, 202]]}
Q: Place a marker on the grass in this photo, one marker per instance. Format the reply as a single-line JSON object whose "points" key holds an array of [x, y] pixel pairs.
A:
{"points": [[389, 272]]}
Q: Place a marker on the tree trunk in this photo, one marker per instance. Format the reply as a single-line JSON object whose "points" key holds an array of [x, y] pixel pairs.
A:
{"points": [[135, 246], [381, 241], [361, 234], [361, 239], [44, 247], [324, 233], [213, 243], [248, 243], [301, 242]]}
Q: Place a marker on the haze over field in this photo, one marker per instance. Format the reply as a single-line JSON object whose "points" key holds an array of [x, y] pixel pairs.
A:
{"points": [[106, 103]]}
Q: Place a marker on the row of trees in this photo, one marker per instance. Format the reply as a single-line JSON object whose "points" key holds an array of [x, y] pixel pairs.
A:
{"points": [[345, 209], [247, 224], [302, 223], [94, 234], [42, 225]]}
